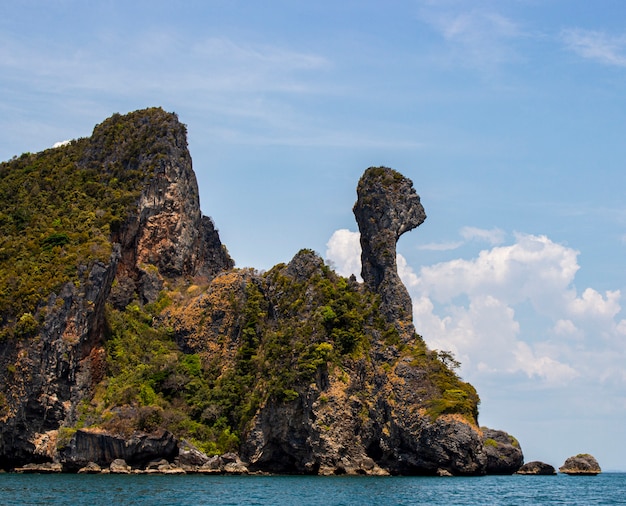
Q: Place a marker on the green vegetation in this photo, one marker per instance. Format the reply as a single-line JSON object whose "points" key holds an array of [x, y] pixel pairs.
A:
{"points": [[152, 384], [490, 442], [59, 209], [451, 395]]}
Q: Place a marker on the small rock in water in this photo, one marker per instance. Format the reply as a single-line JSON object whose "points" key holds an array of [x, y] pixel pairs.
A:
{"points": [[90, 468], [537, 468], [581, 464], [119, 466]]}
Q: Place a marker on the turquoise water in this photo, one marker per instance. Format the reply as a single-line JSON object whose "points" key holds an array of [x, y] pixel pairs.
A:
{"points": [[113, 490]]}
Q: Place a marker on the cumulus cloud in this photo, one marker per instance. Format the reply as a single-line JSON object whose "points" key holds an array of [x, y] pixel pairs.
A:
{"points": [[344, 251], [598, 46], [511, 310]]}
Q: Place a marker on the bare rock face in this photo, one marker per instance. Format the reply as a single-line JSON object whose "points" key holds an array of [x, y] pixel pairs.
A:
{"points": [[387, 206], [167, 236], [103, 449], [504, 455], [581, 464], [49, 375]]}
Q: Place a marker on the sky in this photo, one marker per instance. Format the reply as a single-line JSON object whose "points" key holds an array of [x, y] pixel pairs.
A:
{"points": [[508, 116]]}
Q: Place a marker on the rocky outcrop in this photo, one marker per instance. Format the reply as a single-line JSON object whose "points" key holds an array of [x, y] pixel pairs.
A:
{"points": [[45, 378], [44, 468], [537, 468], [387, 206], [504, 455], [581, 464], [102, 448]]}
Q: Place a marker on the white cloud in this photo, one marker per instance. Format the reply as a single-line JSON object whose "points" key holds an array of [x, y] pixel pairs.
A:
{"points": [[533, 268], [478, 37], [593, 305], [598, 46], [512, 310], [344, 251], [542, 366], [493, 236], [567, 329]]}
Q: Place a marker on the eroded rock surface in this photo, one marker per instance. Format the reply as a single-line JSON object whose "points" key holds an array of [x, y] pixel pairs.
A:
{"points": [[167, 235], [387, 206], [102, 448], [313, 375], [504, 455]]}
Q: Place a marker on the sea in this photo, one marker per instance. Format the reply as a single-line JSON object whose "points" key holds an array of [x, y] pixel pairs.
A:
{"points": [[113, 490]]}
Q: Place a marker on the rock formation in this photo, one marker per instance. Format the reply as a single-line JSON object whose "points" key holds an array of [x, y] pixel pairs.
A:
{"points": [[387, 206], [537, 468], [297, 369], [44, 379], [166, 235], [581, 464], [504, 455], [102, 448]]}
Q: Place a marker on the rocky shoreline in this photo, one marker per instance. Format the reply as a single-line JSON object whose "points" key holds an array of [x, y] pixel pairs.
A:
{"points": [[192, 461]]}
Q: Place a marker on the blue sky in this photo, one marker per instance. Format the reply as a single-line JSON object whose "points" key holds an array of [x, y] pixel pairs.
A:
{"points": [[507, 115]]}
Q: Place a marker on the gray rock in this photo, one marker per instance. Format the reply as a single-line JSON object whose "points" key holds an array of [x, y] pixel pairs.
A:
{"points": [[44, 378], [103, 448], [504, 454], [90, 468], [119, 466], [189, 455], [43, 468], [537, 468], [386, 207], [212, 466]]}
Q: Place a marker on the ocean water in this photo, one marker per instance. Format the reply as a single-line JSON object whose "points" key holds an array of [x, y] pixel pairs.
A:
{"points": [[113, 490]]}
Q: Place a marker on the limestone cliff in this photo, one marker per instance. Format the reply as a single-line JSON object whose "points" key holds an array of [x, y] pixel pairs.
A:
{"points": [[165, 229], [140, 164], [148, 340]]}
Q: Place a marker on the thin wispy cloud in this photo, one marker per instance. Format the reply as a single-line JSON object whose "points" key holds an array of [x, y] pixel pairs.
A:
{"points": [[493, 236], [478, 38], [441, 246], [596, 45]]}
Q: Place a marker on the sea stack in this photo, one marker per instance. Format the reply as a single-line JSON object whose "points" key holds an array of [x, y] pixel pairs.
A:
{"points": [[387, 206], [582, 464]]}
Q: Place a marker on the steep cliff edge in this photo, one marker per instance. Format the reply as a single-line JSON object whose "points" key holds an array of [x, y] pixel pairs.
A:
{"points": [[165, 228], [125, 330]]}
